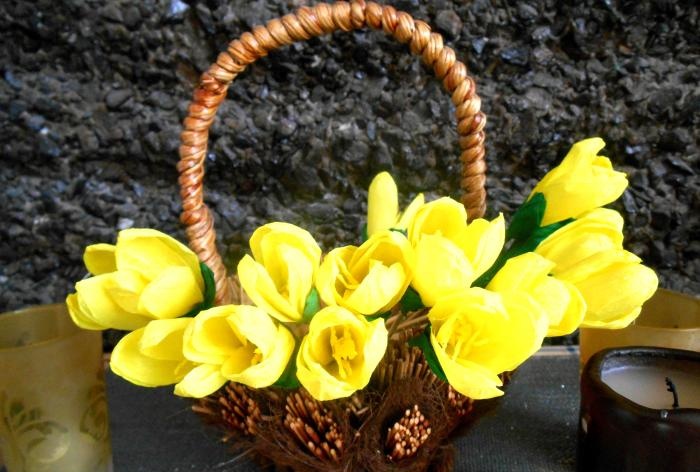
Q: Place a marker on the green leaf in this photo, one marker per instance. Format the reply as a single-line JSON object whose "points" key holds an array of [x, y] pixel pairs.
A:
{"points": [[209, 286], [542, 233], [364, 236], [311, 306], [423, 343], [209, 291], [527, 218], [402, 231], [288, 380], [411, 301]]}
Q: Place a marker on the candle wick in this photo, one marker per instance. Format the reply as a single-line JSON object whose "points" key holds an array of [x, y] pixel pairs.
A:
{"points": [[672, 388]]}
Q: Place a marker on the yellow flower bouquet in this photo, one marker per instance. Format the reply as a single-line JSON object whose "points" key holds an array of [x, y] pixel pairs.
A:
{"points": [[369, 356], [477, 299]]}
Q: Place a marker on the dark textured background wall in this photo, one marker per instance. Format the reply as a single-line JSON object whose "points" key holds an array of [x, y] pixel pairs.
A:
{"points": [[92, 95]]}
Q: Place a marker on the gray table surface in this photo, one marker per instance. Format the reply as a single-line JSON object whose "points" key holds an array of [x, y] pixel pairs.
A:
{"points": [[533, 428]]}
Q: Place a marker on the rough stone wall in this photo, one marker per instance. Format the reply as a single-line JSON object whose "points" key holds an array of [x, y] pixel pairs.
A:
{"points": [[92, 95]]}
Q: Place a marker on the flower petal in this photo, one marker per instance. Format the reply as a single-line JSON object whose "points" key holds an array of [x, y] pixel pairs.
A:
{"points": [[79, 317], [615, 292], [255, 325], [441, 268], [209, 339], [272, 365], [99, 258], [162, 339], [129, 362], [150, 252], [596, 231], [297, 237], [382, 203], [201, 381], [468, 378], [442, 217], [96, 303], [482, 242], [332, 276], [378, 289], [410, 212], [125, 289], [172, 293], [261, 289], [573, 315]]}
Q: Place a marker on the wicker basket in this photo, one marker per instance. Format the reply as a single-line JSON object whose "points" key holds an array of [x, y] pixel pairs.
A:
{"points": [[404, 418]]}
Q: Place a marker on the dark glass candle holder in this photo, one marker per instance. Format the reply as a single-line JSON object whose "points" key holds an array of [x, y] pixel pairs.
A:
{"points": [[640, 411]]}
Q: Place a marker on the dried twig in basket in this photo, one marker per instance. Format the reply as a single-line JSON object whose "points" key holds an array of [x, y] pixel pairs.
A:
{"points": [[314, 426]]}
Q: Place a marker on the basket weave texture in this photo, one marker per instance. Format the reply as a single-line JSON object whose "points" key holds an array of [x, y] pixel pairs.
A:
{"points": [[404, 417]]}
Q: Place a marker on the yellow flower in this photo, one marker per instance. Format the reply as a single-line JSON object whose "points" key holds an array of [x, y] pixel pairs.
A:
{"points": [[152, 356], [614, 285], [442, 217], [147, 275], [340, 352], [368, 279], [583, 181], [234, 342], [477, 334], [450, 254], [561, 301], [596, 231], [383, 205], [281, 272], [441, 268]]}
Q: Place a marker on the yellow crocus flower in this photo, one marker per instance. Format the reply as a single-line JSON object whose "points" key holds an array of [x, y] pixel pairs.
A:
{"points": [[477, 334], [614, 284], [583, 181], [147, 275], [561, 301], [368, 279], [597, 230], [451, 254], [383, 205], [281, 272], [338, 355], [240, 343], [152, 356]]}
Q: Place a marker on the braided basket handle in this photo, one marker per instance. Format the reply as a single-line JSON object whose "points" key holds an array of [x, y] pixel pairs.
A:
{"points": [[306, 23]]}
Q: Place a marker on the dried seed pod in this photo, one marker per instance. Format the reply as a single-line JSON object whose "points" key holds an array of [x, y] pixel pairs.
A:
{"points": [[232, 409], [461, 404], [407, 435], [313, 426]]}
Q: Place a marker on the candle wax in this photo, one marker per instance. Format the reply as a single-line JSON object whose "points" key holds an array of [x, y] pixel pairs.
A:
{"points": [[646, 386]]}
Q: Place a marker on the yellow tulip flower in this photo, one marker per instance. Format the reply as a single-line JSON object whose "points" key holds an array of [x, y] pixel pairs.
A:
{"points": [[234, 342], [368, 279], [583, 181], [147, 275], [597, 230], [614, 284], [339, 353], [383, 205], [281, 272], [561, 301], [152, 356], [477, 334], [450, 254]]}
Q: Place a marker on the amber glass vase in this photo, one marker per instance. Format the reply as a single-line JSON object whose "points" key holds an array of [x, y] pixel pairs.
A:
{"points": [[53, 408]]}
